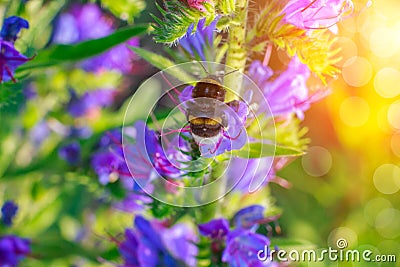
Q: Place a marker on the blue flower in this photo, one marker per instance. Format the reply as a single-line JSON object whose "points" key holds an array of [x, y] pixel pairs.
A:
{"points": [[109, 166], [8, 212], [13, 249], [199, 43], [215, 229], [10, 60], [169, 247], [146, 156], [242, 247], [239, 246], [11, 27], [134, 201], [109, 162], [249, 217], [71, 153]]}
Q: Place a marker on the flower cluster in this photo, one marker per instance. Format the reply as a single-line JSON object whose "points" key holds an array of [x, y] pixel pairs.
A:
{"points": [[239, 246], [171, 246]]}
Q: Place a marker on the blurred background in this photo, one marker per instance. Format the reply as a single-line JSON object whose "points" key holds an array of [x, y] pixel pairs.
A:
{"points": [[348, 185]]}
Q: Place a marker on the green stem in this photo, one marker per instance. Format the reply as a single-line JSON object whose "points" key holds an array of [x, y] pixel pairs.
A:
{"points": [[236, 55], [207, 212]]}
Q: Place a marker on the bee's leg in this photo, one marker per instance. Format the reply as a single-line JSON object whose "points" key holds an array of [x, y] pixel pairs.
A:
{"points": [[173, 88], [138, 156], [181, 130]]}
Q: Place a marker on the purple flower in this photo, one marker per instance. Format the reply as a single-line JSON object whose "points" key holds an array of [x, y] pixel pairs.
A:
{"points": [[109, 166], [250, 174], [8, 212], [314, 14], [249, 217], [288, 93], [239, 246], [82, 22], [242, 247], [129, 249], [13, 249], [71, 153], [85, 22], [11, 27], [90, 101], [169, 247], [109, 162], [215, 229], [199, 42], [181, 241], [146, 157], [133, 202], [10, 60], [119, 58]]}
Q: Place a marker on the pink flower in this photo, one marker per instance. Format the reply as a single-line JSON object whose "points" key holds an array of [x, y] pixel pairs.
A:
{"points": [[197, 4], [288, 93], [314, 14]]}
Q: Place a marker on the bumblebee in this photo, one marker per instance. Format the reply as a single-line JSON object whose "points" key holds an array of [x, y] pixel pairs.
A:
{"points": [[204, 114]]}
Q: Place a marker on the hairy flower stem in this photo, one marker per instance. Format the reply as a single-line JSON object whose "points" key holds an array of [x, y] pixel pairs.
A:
{"points": [[207, 212], [236, 55]]}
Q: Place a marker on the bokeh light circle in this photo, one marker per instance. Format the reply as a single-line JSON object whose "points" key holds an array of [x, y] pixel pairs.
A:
{"points": [[393, 115], [373, 207], [343, 233], [386, 178], [395, 144], [317, 162], [389, 247], [382, 120], [387, 82], [387, 223], [357, 71], [354, 111], [383, 42]]}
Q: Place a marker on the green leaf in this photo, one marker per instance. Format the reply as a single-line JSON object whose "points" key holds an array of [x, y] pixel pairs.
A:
{"points": [[164, 63], [260, 150], [68, 53], [178, 18]]}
